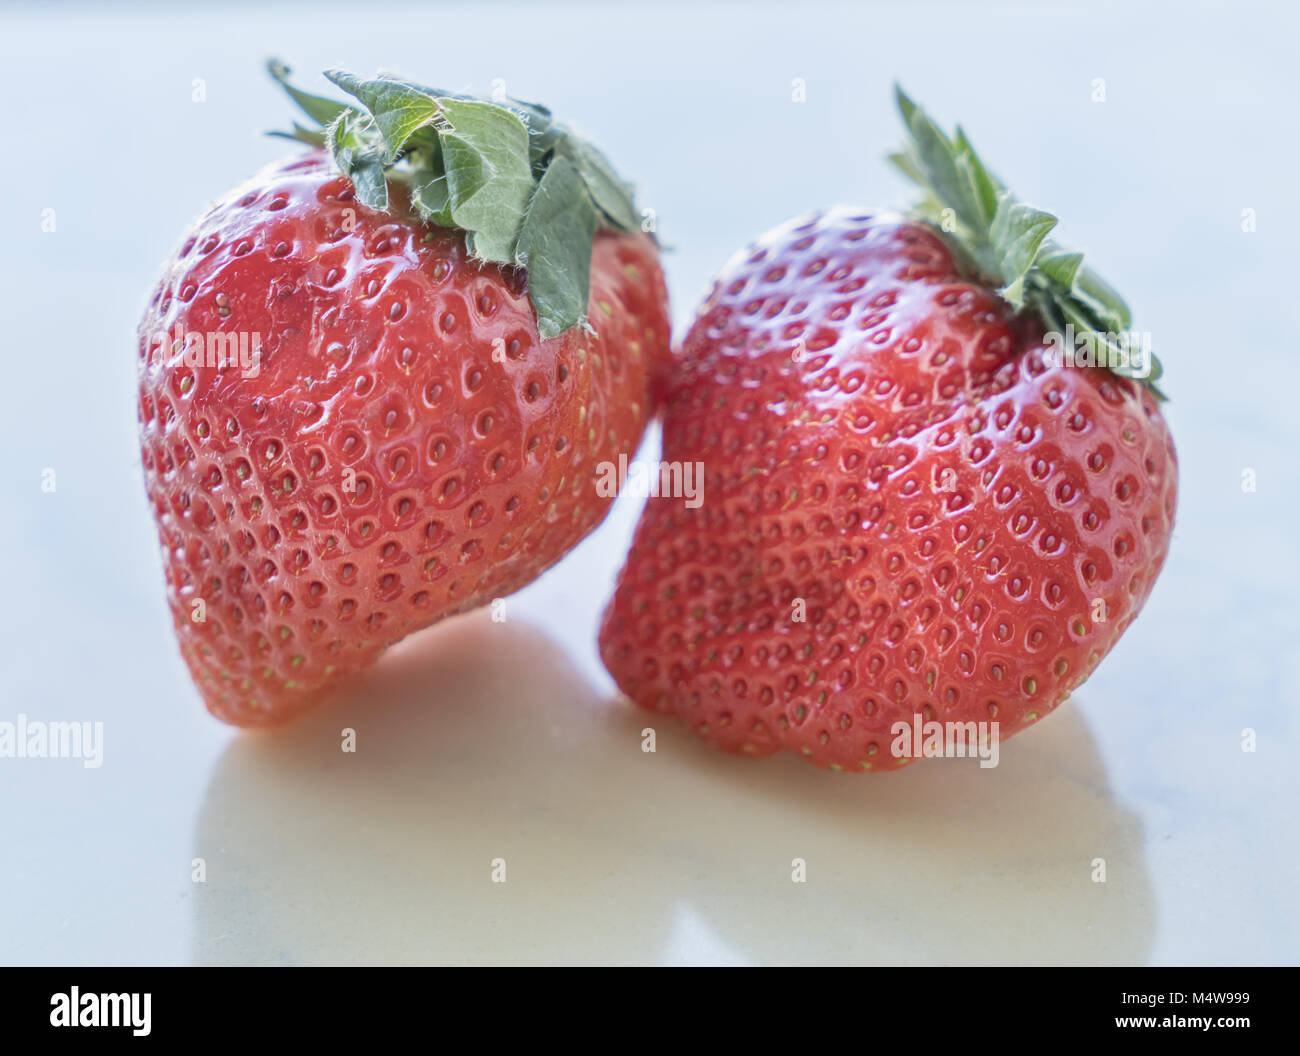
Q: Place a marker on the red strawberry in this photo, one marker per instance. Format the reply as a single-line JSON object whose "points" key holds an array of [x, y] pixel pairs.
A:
{"points": [[893, 452], [405, 444]]}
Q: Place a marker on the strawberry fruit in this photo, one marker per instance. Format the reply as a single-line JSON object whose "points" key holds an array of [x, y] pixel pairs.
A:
{"points": [[916, 509], [376, 380]]}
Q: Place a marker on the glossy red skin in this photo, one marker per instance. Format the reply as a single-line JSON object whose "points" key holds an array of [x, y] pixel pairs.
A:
{"points": [[826, 480], [472, 470]]}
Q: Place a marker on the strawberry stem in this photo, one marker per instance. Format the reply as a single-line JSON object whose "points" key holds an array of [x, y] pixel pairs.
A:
{"points": [[526, 191], [1007, 241]]}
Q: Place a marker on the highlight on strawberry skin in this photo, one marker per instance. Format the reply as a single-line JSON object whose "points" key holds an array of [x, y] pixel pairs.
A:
{"points": [[374, 381], [939, 486]]}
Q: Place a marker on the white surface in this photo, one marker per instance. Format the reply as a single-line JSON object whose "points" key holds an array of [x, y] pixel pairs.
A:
{"points": [[481, 740]]}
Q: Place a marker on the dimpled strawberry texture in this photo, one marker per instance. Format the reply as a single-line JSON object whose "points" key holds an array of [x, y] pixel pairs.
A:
{"points": [[408, 449], [966, 530]]}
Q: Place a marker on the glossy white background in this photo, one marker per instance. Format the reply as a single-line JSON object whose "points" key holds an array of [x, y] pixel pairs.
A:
{"points": [[481, 740]]}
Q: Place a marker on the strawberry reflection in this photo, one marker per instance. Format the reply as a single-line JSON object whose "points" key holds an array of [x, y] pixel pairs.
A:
{"points": [[479, 742]]}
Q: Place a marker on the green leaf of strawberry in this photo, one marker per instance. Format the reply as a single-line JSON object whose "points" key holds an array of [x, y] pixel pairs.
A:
{"points": [[1007, 239], [607, 190], [480, 167], [489, 179], [352, 141], [553, 247], [318, 108], [399, 110]]}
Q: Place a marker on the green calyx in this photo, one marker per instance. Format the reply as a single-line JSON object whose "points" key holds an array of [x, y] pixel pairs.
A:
{"points": [[1007, 242], [526, 191]]}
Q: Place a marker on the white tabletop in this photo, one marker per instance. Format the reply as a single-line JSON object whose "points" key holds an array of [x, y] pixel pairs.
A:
{"points": [[482, 740]]}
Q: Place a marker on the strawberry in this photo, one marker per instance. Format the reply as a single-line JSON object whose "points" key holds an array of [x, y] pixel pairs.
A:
{"points": [[371, 391], [919, 508]]}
